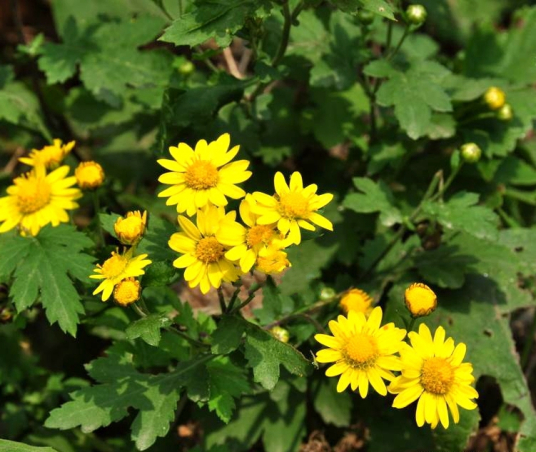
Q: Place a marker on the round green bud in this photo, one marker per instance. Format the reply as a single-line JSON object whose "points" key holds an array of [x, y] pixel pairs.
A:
{"points": [[416, 14], [186, 68], [365, 17], [327, 293], [471, 152], [505, 113], [281, 334]]}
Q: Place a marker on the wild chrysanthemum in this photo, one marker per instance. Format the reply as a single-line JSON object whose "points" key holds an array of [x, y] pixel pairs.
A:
{"points": [[420, 300], [37, 199], [356, 300], [433, 372], [272, 260], [118, 268], [89, 175], [203, 175], [50, 156], [253, 238], [130, 229], [362, 350], [292, 207], [203, 255], [127, 291]]}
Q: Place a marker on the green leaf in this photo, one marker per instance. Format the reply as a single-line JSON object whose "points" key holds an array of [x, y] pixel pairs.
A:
{"points": [[156, 238], [379, 7], [274, 304], [415, 93], [41, 266], [148, 328], [461, 213], [11, 446], [212, 19], [228, 335], [376, 197], [333, 407], [158, 274], [265, 354], [107, 221]]}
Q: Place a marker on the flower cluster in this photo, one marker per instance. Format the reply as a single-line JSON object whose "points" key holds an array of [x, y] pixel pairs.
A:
{"points": [[495, 99], [119, 272], [361, 352], [217, 247]]}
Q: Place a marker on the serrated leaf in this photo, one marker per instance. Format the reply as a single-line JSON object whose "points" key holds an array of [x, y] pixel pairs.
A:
{"points": [[107, 221], [43, 266], [148, 328], [461, 213], [158, 274], [333, 407], [376, 197], [11, 446], [274, 304], [265, 354], [228, 335], [379, 7]]}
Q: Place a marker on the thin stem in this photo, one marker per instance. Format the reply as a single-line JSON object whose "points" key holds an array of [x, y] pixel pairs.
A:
{"points": [[412, 324], [389, 37], [138, 310], [248, 300], [448, 182], [397, 48], [221, 299], [287, 16], [180, 9], [96, 206], [233, 299], [527, 348], [187, 338]]}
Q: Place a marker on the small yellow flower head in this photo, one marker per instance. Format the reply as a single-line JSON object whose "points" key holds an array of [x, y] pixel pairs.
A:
{"points": [[494, 98], [281, 334], [356, 300], [416, 14], [89, 175], [50, 156], [127, 291], [272, 260], [420, 300], [505, 113], [130, 230]]}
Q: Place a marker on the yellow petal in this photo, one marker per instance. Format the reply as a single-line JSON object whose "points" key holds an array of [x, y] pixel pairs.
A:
{"points": [[280, 184]]}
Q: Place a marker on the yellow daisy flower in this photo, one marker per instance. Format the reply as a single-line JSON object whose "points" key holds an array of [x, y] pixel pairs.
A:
{"points": [[203, 175], [89, 175], [50, 156], [203, 255], [253, 238], [362, 350], [433, 372], [37, 199], [127, 291], [272, 260], [356, 300], [130, 230], [117, 268], [292, 207]]}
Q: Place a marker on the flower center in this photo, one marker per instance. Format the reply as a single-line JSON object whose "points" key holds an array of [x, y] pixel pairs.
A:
{"points": [[209, 250], [201, 175], [259, 234], [362, 351], [437, 376], [127, 291], [114, 266], [34, 194], [293, 205]]}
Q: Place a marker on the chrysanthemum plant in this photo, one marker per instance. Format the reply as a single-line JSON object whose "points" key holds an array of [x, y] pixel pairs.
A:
{"points": [[268, 225]]}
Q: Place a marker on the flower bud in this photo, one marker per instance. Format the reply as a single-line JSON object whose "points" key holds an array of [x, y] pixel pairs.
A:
{"points": [[365, 17], [356, 300], [281, 334], [89, 175], [471, 152], [416, 14], [420, 300], [130, 230], [186, 68], [327, 293], [494, 98], [127, 291], [505, 113]]}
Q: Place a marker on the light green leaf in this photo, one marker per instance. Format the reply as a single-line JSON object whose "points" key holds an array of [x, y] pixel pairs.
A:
{"points": [[148, 328], [11, 446]]}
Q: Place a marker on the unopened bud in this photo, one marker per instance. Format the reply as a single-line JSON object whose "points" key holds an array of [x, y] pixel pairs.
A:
{"points": [[356, 300], [420, 300], [327, 293], [365, 17], [505, 113], [186, 68], [494, 98], [471, 152], [416, 14], [281, 334]]}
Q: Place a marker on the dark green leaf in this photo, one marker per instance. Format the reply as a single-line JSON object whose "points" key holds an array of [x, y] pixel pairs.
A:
{"points": [[148, 328], [228, 335]]}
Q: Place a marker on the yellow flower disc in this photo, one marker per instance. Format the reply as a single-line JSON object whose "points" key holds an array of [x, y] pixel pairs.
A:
{"points": [[356, 300], [89, 175], [130, 229], [420, 300], [127, 291]]}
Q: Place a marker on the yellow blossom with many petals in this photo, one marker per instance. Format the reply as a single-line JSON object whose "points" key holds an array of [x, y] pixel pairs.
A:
{"points": [[272, 260], [37, 199], [204, 175], [130, 229], [89, 175], [362, 351], [433, 372], [203, 255], [356, 300], [50, 156], [118, 268], [292, 207]]}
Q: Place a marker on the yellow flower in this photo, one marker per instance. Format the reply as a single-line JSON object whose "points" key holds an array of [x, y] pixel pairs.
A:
{"points": [[50, 156], [494, 98], [203, 256], [272, 260], [89, 175], [433, 372], [37, 199], [420, 300], [203, 175], [127, 291], [292, 207], [356, 300], [130, 230], [363, 352], [252, 239], [117, 268]]}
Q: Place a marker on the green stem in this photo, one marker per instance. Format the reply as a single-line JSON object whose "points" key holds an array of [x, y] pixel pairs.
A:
{"points": [[389, 37], [287, 16], [187, 338], [138, 310], [527, 348], [233, 299], [251, 295], [397, 48], [221, 299], [180, 9], [96, 207], [412, 324], [448, 182]]}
